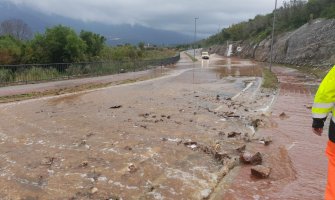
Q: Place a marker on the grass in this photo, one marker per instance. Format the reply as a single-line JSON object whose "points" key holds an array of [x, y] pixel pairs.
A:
{"points": [[318, 72], [158, 54], [270, 80]]}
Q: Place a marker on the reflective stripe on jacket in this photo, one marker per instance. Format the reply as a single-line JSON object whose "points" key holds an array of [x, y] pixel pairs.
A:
{"points": [[324, 103]]}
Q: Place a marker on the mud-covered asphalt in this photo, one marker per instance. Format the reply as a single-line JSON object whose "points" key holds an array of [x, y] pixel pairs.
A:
{"points": [[173, 137]]}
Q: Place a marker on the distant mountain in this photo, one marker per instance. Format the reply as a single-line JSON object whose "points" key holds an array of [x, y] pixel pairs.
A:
{"points": [[116, 34]]}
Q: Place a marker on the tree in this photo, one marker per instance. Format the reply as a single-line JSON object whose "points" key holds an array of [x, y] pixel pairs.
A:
{"points": [[94, 42], [10, 50], [16, 28], [60, 44]]}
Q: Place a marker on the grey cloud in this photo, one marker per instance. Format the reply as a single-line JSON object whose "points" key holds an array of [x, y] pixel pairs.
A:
{"points": [[174, 15]]}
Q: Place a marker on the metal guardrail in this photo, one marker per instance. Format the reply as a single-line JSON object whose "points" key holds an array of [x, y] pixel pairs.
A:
{"points": [[34, 73]]}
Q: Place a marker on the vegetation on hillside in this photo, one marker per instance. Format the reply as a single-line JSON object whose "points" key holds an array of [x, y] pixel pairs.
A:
{"points": [[291, 15]]}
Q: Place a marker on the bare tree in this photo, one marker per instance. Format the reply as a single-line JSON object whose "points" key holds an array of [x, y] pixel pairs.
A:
{"points": [[16, 28]]}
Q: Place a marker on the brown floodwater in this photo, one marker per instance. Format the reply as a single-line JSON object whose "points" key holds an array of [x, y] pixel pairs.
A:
{"points": [[139, 140], [296, 156], [132, 141]]}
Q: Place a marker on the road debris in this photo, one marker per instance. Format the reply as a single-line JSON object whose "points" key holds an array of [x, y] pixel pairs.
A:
{"points": [[260, 171]]}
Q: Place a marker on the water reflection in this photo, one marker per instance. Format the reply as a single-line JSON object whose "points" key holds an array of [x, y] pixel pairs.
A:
{"points": [[236, 69], [205, 63]]}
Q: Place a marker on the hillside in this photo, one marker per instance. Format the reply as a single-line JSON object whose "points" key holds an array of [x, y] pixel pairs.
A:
{"points": [[304, 35], [313, 44]]}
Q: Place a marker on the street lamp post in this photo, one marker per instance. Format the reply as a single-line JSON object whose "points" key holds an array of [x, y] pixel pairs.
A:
{"points": [[195, 34], [273, 31]]}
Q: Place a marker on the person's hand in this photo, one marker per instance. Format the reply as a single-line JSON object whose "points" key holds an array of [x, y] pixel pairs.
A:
{"points": [[318, 131]]}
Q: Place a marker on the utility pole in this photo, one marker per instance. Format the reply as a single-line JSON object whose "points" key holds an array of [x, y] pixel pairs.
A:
{"points": [[273, 31], [195, 34]]}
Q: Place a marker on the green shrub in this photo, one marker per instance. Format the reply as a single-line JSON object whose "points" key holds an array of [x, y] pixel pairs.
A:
{"points": [[36, 74], [6, 75]]}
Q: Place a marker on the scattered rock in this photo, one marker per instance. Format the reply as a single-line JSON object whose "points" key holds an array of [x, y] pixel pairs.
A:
{"points": [[266, 141], [205, 193], [188, 143], [114, 197], [249, 158], [116, 107], [283, 116], [84, 164], [233, 134], [94, 190], [144, 126], [308, 107], [257, 123], [128, 148], [48, 161], [260, 171], [220, 156], [132, 168], [145, 115], [241, 148], [164, 139]]}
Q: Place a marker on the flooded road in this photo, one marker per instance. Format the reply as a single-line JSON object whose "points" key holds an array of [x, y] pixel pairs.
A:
{"points": [[172, 137]]}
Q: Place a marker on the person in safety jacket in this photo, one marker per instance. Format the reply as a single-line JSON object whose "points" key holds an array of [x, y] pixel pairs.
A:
{"points": [[324, 103]]}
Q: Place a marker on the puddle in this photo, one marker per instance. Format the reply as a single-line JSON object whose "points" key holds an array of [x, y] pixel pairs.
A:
{"points": [[237, 71]]}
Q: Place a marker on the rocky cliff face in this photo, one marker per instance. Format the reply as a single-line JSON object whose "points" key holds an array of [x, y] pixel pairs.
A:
{"points": [[313, 44]]}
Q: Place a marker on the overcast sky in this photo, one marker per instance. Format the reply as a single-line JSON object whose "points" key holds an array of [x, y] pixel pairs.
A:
{"points": [[173, 15]]}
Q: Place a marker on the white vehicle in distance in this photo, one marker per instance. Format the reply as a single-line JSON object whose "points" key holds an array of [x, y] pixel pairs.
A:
{"points": [[205, 55]]}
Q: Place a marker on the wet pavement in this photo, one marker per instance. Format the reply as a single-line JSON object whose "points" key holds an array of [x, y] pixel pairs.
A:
{"points": [[172, 137], [175, 136], [296, 156]]}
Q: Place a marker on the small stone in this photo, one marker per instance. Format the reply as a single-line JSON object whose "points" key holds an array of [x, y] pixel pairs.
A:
{"points": [[132, 168], [116, 107], [220, 155], [205, 193], [128, 148], [241, 148], [233, 134], [266, 141], [249, 158], [94, 190], [84, 163], [260, 171], [283, 116]]}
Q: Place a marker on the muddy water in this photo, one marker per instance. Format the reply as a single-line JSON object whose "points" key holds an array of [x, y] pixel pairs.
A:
{"points": [[296, 156], [128, 141]]}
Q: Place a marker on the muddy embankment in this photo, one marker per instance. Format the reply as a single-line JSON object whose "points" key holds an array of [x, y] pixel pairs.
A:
{"points": [[313, 44]]}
